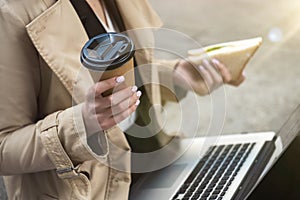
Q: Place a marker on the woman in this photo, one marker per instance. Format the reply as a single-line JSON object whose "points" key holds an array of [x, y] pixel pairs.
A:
{"points": [[44, 153]]}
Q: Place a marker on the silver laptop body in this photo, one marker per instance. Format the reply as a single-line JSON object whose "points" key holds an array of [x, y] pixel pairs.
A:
{"points": [[178, 180]]}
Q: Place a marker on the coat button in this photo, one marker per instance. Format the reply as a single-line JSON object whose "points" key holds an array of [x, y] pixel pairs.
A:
{"points": [[116, 180]]}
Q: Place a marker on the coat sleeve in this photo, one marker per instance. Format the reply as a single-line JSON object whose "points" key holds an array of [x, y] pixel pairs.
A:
{"points": [[24, 137], [168, 88]]}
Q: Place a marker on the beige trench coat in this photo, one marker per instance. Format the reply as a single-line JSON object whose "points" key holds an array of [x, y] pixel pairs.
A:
{"points": [[43, 150]]}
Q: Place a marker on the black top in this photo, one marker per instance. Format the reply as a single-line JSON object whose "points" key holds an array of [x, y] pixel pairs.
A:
{"points": [[90, 21], [88, 18]]}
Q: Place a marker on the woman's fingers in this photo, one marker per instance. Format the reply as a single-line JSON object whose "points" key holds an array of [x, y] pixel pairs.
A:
{"points": [[120, 117], [109, 122], [213, 72], [111, 116], [205, 78], [212, 77], [105, 85], [102, 103], [223, 70], [122, 106], [121, 95], [205, 75], [227, 78], [104, 109]]}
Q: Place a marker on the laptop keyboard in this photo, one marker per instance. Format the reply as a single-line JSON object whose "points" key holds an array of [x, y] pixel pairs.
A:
{"points": [[214, 173]]}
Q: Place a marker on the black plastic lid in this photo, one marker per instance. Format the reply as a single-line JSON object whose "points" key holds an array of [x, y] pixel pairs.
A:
{"points": [[107, 51]]}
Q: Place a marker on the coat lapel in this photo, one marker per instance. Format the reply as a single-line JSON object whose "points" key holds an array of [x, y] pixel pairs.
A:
{"points": [[58, 35]]}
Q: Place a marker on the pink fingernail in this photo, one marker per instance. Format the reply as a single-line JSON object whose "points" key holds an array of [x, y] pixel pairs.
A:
{"points": [[206, 62], [201, 67], [120, 79], [139, 93], [134, 89], [216, 61], [137, 102]]}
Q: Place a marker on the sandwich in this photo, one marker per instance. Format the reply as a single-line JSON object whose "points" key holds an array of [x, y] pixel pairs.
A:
{"points": [[235, 55]]}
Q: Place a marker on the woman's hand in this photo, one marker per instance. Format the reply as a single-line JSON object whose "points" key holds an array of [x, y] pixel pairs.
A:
{"points": [[205, 78], [101, 113]]}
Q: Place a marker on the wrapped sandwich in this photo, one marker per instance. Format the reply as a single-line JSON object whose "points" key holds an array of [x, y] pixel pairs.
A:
{"points": [[235, 55]]}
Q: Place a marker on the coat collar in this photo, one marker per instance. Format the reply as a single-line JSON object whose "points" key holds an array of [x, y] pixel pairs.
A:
{"points": [[58, 35]]}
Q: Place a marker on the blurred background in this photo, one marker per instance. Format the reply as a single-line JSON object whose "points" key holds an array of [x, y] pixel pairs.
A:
{"points": [[272, 88]]}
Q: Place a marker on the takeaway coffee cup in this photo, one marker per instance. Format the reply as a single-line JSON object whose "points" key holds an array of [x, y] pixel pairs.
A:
{"points": [[109, 55]]}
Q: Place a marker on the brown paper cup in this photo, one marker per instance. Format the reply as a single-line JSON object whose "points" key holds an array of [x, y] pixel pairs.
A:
{"points": [[126, 70], [109, 55]]}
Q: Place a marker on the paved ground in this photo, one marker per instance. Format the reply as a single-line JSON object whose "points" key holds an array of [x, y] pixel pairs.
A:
{"points": [[271, 91], [2, 191]]}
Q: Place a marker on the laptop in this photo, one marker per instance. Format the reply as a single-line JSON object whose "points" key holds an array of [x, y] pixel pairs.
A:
{"points": [[229, 169], [282, 180]]}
